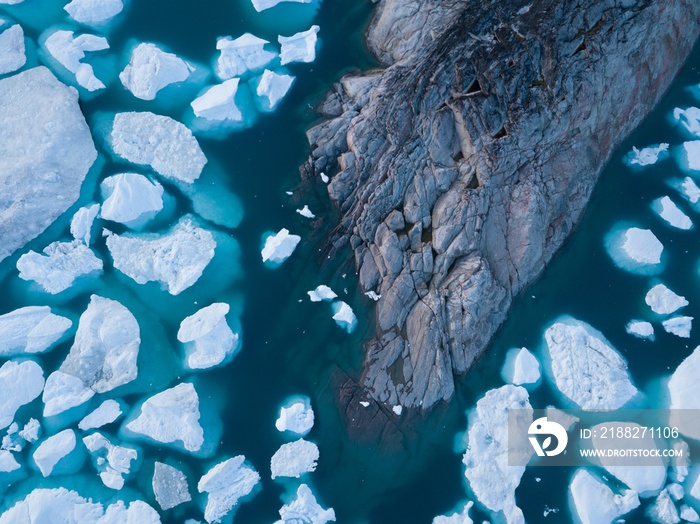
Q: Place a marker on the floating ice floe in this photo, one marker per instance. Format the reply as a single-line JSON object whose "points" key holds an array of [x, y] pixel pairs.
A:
{"points": [[109, 411], [305, 508], [81, 223], [676, 491], [94, 12], [21, 383], [69, 51], [691, 151], [296, 416], [585, 367], [521, 367], [594, 502], [63, 392], [460, 517], [634, 249], [225, 484], [31, 329], [663, 301], [60, 265], [176, 259], [663, 510], [640, 329], [688, 118], [491, 478], [53, 449], [670, 212], [8, 463], [171, 417], [217, 103], [294, 459], [12, 441], [344, 316], [151, 69], [646, 156], [321, 292], [245, 53], [306, 212], [279, 247], [271, 88], [30, 431], [160, 142], [684, 390], [689, 189], [262, 5], [130, 199], [300, 47], [12, 55], [689, 514], [112, 462], [207, 337], [169, 486], [679, 326]]}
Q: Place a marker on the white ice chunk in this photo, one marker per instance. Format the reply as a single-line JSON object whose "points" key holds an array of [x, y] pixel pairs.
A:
{"points": [[279, 247], [170, 486], [207, 337], [171, 416], [176, 259], [306, 212], [245, 53], [398, 409], [676, 491], [641, 245], [94, 12], [461, 517], [12, 441], [689, 514], [640, 329], [81, 223], [63, 392], [297, 417], [324, 178], [112, 462], [225, 484], [12, 55], [322, 292], [688, 118], [261, 5], [106, 413], [31, 329], [684, 390], [60, 265], [663, 301], [305, 508], [692, 154], [690, 190], [671, 213], [300, 47], [69, 50], [151, 69], [53, 449], [138, 512], [130, 198], [586, 368], [272, 88], [294, 459], [521, 367], [21, 383], [679, 326], [31, 430], [8, 462], [160, 142], [646, 156], [218, 103], [373, 295], [663, 511], [344, 316], [595, 503]]}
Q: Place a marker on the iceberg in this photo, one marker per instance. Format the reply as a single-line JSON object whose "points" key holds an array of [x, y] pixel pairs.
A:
{"points": [[594, 502], [109, 411], [640, 329], [646, 156], [8, 463], [69, 51], [171, 417], [207, 337], [689, 514], [663, 301], [305, 508], [300, 47], [296, 416], [53, 449], [12, 441], [176, 259], [679, 326], [21, 383], [585, 367], [217, 103], [294, 459], [169, 486], [271, 89], [344, 316], [279, 247], [521, 367], [245, 53], [12, 54], [684, 390], [160, 142], [151, 69], [130, 199], [322, 292], [94, 12], [30, 431], [262, 5], [635, 250], [690, 190], [689, 119], [225, 484], [306, 212], [692, 155], [461, 517], [670, 212], [112, 462], [63, 392], [663, 511], [81, 223], [60, 266], [31, 329]]}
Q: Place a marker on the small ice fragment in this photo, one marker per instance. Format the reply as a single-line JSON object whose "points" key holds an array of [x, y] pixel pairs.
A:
{"points": [[169, 486], [670, 212], [81, 223], [130, 198], [300, 47], [245, 53], [344, 316], [21, 382], [151, 69], [12, 441], [640, 329], [692, 155], [225, 484], [322, 292], [306, 212], [676, 491], [294, 459], [116, 463], [324, 178], [305, 508], [663, 511], [272, 88], [261, 5], [688, 118], [31, 329], [94, 12], [679, 326], [520, 367], [647, 156], [372, 295], [207, 337], [31, 430], [53, 449], [8, 462], [69, 51], [12, 53], [397, 410], [217, 103], [364, 403], [106, 413], [279, 247], [663, 301], [297, 417]]}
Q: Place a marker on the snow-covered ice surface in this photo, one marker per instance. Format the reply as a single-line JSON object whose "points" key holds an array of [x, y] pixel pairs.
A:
{"points": [[300, 47], [69, 51], [663, 301], [218, 103], [207, 337], [684, 390], [321, 292], [585, 367], [82, 222], [151, 69], [671, 213], [21, 383], [294, 459], [279, 247], [296, 416], [12, 52], [262, 5], [647, 156], [107, 412], [169, 486], [241, 55], [344, 316], [520, 367], [31, 329], [640, 329], [679, 326], [112, 462], [130, 199], [50, 452], [225, 484], [94, 12], [594, 502], [305, 508], [271, 88]]}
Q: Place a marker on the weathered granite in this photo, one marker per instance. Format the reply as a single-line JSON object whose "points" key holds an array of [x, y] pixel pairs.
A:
{"points": [[462, 166]]}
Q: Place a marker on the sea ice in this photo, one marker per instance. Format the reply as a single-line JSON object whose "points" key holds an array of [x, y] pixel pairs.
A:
{"points": [[692, 155], [279, 247], [344, 316], [31, 329], [679, 326], [30, 431], [60, 265], [171, 417], [647, 155], [663, 511], [684, 390], [690, 190], [663, 301], [8, 462], [322, 292], [130, 199], [160, 142], [669, 211], [63, 392], [169, 486], [676, 491], [207, 337], [491, 478], [294, 459], [245, 53], [640, 329], [305, 508], [20, 382], [300, 47], [688, 118], [225, 484], [112, 462], [261, 5], [642, 246], [586, 368], [12, 441], [521, 367], [217, 103], [81, 223], [689, 514], [109, 411], [12, 55], [176, 259], [594, 502], [271, 89], [461, 517], [53, 449], [297, 417], [94, 12], [151, 69], [68, 50], [306, 212]]}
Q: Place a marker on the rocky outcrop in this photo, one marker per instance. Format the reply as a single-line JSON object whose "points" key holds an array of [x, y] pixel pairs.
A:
{"points": [[463, 165]]}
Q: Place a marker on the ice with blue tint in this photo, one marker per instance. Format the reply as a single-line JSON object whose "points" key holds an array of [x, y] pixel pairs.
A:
{"points": [[671, 213], [12, 51], [663, 511], [63, 392], [684, 392], [130, 199], [218, 102], [58, 454], [461, 516], [294, 459], [152, 69], [305, 508], [688, 118], [306, 212], [271, 87], [81, 224], [241, 55], [207, 337], [296, 416], [107, 412], [262, 5], [679, 326], [31, 329], [279, 247], [344, 316], [640, 329], [647, 156], [690, 157], [634, 249], [300, 47], [225, 485], [594, 502], [321, 292], [69, 51], [169, 486], [521, 367], [94, 12], [113, 462], [663, 301], [22, 382]]}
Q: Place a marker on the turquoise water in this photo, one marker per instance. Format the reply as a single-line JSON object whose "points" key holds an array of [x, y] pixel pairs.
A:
{"points": [[291, 346]]}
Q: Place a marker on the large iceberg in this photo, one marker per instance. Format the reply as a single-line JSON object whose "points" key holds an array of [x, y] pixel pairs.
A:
{"points": [[671, 213], [305, 508], [113, 462], [20, 382], [217, 103], [300, 47], [69, 51], [684, 390], [271, 88], [31, 329], [130, 199], [344, 316], [207, 337], [151, 69], [169, 486], [160, 142], [646, 156], [279, 247], [296, 416], [521, 367], [43, 138], [585, 367], [245, 53], [663, 301], [595, 503], [94, 12], [52, 450], [82, 221], [12, 55], [175, 259], [294, 459], [225, 484], [688, 118]]}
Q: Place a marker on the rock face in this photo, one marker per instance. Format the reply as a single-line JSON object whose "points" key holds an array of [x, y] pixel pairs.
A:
{"points": [[463, 165]]}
